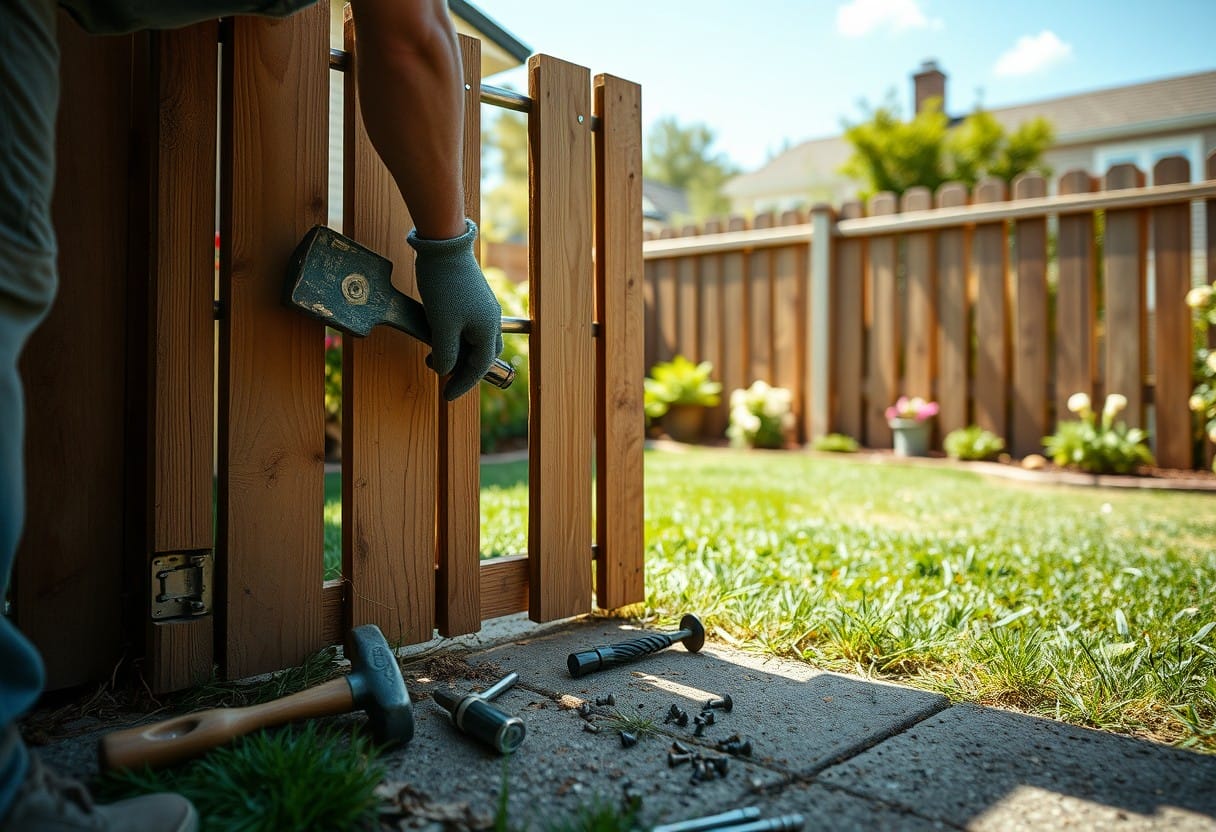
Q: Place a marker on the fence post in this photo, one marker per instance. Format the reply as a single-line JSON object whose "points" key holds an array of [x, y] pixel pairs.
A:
{"points": [[620, 424], [818, 412], [560, 289]]}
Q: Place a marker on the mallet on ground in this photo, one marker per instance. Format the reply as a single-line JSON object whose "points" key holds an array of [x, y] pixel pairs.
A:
{"points": [[374, 684], [691, 633]]}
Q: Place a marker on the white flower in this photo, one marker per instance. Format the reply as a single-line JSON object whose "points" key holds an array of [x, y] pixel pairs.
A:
{"points": [[738, 397], [1115, 403], [1199, 297], [1078, 402], [1211, 362], [1212, 433], [1196, 403]]}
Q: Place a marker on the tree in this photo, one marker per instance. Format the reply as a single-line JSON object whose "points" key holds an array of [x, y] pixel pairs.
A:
{"points": [[683, 158], [505, 205], [894, 155]]}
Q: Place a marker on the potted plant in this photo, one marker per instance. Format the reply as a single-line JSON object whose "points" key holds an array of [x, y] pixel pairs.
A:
{"points": [[760, 416], [677, 392], [910, 425]]}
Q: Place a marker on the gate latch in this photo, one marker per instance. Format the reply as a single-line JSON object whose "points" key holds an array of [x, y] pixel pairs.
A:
{"points": [[182, 585]]}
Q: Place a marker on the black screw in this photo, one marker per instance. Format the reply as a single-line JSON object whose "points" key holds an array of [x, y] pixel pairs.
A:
{"points": [[628, 740], [591, 728], [731, 740], [584, 709], [609, 700], [725, 703], [674, 759], [708, 717], [680, 748], [743, 749], [699, 730], [682, 719]]}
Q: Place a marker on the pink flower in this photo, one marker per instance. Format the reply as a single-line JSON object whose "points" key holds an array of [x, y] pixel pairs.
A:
{"points": [[914, 408]]}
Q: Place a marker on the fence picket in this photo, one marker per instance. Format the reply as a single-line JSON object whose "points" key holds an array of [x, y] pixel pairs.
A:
{"points": [[734, 315], [953, 313], [1172, 259], [1030, 324], [561, 289], [759, 300], [882, 372], [666, 319], [1126, 232], [849, 304], [1076, 300], [1210, 210], [920, 292], [789, 337], [688, 292], [712, 345], [989, 256]]}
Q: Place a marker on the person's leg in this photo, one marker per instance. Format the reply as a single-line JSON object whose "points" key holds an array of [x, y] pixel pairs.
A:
{"points": [[29, 83]]}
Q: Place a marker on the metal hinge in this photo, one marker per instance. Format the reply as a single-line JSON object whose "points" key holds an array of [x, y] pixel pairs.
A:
{"points": [[182, 585]]}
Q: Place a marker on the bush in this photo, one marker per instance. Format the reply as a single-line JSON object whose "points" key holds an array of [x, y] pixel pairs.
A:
{"points": [[1098, 447], [760, 416], [973, 443], [504, 413], [679, 381], [1202, 301], [837, 443]]}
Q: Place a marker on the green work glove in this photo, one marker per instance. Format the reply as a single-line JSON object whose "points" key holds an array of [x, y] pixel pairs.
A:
{"points": [[464, 315]]}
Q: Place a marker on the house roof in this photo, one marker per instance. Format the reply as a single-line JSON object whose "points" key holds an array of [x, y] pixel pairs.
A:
{"points": [[1187, 101], [661, 201], [501, 50]]}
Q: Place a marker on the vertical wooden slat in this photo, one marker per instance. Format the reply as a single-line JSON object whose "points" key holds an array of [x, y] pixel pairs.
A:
{"points": [[272, 360], [688, 292], [561, 299], [713, 333], [389, 421], [883, 352], [989, 258], [1076, 300], [182, 338], [68, 580], [920, 341], [788, 336], [818, 326], [848, 363], [1125, 266], [650, 295], [759, 301], [953, 313], [458, 527], [1210, 233], [619, 563], [1172, 356], [1030, 325], [666, 321], [734, 316]]}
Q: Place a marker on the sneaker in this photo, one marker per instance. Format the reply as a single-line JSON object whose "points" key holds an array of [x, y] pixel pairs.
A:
{"points": [[49, 802]]}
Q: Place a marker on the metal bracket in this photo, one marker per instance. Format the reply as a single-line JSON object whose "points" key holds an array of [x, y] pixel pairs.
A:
{"points": [[182, 585]]}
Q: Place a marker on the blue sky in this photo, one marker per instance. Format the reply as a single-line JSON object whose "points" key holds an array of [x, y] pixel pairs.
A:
{"points": [[765, 72]]}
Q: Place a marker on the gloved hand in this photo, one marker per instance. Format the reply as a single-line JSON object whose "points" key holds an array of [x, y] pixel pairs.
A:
{"points": [[464, 315]]}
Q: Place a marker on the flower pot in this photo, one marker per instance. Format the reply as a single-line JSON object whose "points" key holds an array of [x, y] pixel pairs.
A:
{"points": [[683, 422], [911, 436]]}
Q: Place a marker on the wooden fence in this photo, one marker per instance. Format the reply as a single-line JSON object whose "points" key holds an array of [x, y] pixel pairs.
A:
{"points": [[121, 378], [997, 305]]}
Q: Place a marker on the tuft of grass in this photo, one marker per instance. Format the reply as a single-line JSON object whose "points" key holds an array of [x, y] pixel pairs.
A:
{"points": [[292, 780], [318, 667]]}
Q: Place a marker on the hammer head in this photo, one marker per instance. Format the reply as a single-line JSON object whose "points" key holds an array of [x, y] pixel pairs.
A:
{"points": [[378, 687], [339, 282]]}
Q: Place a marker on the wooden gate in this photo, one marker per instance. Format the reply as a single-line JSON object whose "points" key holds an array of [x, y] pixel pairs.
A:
{"points": [[130, 474]]}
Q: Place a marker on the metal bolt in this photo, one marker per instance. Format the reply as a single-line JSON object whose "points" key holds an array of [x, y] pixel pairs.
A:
{"points": [[591, 728], [725, 703], [674, 759], [584, 709], [708, 717], [743, 749], [699, 730], [680, 747], [628, 740], [580, 119], [722, 764], [606, 700], [682, 719], [731, 740]]}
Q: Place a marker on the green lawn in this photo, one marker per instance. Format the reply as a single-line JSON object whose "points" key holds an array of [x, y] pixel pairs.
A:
{"points": [[1093, 606]]}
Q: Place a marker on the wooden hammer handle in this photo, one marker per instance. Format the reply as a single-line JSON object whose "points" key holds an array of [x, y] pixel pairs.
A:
{"points": [[188, 736]]}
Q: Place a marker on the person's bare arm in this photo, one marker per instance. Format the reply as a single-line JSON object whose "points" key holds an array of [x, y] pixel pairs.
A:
{"points": [[411, 94]]}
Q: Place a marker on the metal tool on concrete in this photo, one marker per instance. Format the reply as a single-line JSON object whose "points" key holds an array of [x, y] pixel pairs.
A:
{"points": [[474, 715], [374, 684], [349, 287], [691, 633], [730, 818]]}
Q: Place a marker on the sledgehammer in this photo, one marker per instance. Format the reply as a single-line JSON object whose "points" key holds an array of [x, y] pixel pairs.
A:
{"points": [[349, 287], [374, 684]]}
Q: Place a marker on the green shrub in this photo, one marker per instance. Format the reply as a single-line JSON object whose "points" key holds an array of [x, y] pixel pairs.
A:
{"points": [[760, 416], [837, 443], [504, 413], [973, 443], [679, 381], [1098, 447], [1202, 301]]}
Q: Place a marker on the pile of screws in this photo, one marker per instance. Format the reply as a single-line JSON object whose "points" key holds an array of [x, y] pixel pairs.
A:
{"points": [[703, 768], [735, 746]]}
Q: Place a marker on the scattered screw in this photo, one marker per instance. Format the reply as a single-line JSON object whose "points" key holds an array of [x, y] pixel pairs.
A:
{"points": [[743, 749], [722, 764], [699, 730], [680, 747], [628, 740], [725, 703], [708, 717], [584, 709], [733, 738], [674, 759], [591, 728], [609, 700], [682, 719]]}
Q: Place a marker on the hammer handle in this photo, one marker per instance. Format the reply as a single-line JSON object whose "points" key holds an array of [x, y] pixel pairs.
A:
{"points": [[188, 736], [409, 316]]}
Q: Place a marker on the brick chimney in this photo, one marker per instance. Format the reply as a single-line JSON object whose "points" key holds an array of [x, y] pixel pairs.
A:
{"points": [[929, 82]]}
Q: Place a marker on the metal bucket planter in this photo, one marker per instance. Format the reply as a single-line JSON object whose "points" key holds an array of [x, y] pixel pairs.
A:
{"points": [[911, 436], [684, 422]]}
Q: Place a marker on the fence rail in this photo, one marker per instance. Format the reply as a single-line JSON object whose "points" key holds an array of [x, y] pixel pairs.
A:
{"points": [[999, 305], [410, 475]]}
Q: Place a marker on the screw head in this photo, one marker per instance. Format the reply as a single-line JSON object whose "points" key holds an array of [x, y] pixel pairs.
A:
{"points": [[682, 719], [628, 740], [674, 759], [726, 703]]}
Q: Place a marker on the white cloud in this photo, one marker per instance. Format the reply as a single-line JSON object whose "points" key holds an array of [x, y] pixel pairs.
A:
{"points": [[1033, 53], [861, 17]]}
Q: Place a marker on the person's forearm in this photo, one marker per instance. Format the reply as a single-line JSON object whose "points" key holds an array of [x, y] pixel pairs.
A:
{"points": [[411, 95]]}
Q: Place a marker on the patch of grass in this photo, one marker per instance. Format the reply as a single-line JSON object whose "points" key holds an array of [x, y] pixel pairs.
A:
{"points": [[294, 779], [316, 668]]}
